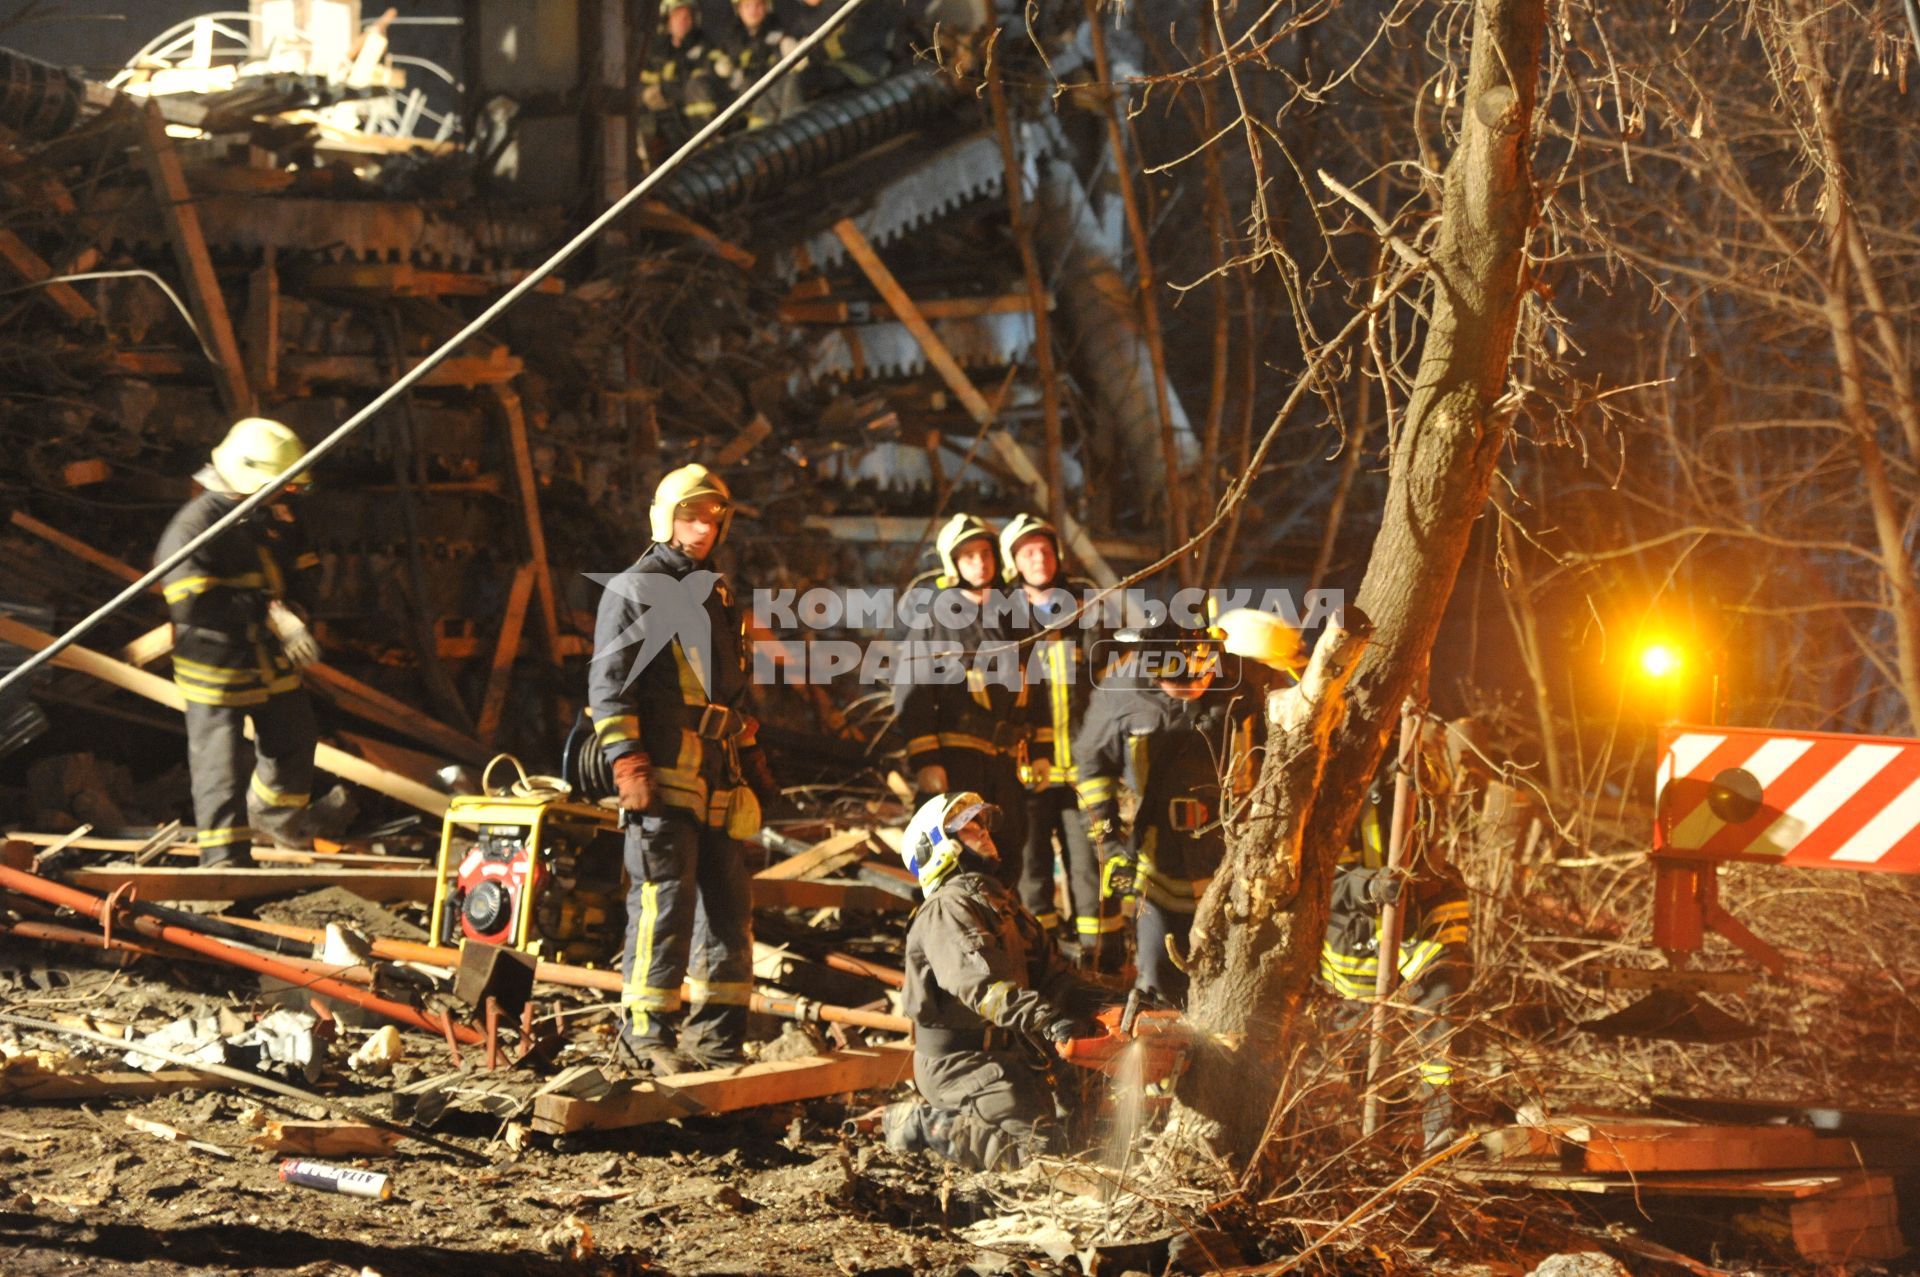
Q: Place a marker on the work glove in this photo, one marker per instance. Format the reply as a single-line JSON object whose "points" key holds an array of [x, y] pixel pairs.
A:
{"points": [[1383, 888], [633, 778], [758, 773], [296, 640], [1066, 1028], [930, 780], [1118, 870], [652, 98]]}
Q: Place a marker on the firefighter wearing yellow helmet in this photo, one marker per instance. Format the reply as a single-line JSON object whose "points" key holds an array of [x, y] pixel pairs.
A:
{"points": [[963, 697], [1057, 656], [237, 604], [680, 86], [668, 691]]}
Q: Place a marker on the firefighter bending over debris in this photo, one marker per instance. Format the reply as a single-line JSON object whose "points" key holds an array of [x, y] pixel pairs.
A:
{"points": [[1058, 687], [1184, 737], [666, 689], [239, 638], [964, 707], [990, 998], [1435, 961]]}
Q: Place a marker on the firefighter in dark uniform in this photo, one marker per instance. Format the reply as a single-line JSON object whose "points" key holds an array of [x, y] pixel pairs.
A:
{"points": [[1435, 960], [754, 42], [667, 692], [1054, 651], [963, 700], [1183, 736], [860, 52], [984, 988], [239, 637], [679, 85]]}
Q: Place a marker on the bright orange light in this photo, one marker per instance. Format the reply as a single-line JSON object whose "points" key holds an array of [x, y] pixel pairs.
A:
{"points": [[1657, 660]]}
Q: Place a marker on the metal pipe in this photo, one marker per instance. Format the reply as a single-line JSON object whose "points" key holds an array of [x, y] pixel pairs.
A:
{"points": [[102, 910]]}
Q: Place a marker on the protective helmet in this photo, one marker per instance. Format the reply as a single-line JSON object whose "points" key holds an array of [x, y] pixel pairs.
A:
{"points": [[1263, 637], [668, 6], [1024, 526], [930, 849], [1172, 652], [255, 452], [686, 484], [956, 532]]}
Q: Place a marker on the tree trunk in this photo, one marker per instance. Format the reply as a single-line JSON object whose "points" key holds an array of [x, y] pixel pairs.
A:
{"points": [[1257, 936]]}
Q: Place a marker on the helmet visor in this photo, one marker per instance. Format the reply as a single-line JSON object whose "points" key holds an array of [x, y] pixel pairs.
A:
{"points": [[705, 506]]}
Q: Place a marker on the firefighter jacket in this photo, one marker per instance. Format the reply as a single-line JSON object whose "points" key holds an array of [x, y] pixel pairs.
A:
{"points": [[977, 962], [685, 73], [863, 47], [964, 686], [1174, 755], [217, 598], [1057, 654], [670, 676], [746, 55], [1434, 928]]}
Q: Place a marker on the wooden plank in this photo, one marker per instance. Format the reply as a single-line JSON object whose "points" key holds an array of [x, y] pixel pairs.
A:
{"points": [[505, 650], [736, 449], [298, 372], [796, 310], [1651, 1146], [328, 758], [729, 1090], [656, 216], [1759, 1184], [33, 269], [776, 893], [327, 1139], [374, 705], [204, 297], [383, 886], [57, 1088], [149, 647], [403, 279], [76, 547], [530, 511], [263, 326], [821, 859], [1009, 450]]}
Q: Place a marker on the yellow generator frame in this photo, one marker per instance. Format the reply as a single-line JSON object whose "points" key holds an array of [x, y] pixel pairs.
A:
{"points": [[561, 864]]}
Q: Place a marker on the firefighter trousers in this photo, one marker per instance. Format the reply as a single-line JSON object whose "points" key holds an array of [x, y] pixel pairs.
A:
{"points": [[1054, 815], [1156, 973], [982, 1109], [1428, 999], [689, 918], [996, 778], [276, 767]]}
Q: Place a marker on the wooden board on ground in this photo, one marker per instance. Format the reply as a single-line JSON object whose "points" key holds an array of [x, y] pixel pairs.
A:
{"points": [[327, 1139], [382, 885], [729, 1090], [1685, 1146], [800, 893], [57, 1088], [1760, 1184]]}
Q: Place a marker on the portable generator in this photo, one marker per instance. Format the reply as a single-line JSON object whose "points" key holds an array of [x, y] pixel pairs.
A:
{"points": [[538, 874]]}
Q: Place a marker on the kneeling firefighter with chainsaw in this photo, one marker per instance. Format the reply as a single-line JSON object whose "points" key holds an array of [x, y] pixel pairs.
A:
{"points": [[991, 1000], [1182, 731], [667, 690], [1434, 963]]}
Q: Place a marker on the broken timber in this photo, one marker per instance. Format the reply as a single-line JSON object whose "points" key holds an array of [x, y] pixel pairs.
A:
{"points": [[728, 1090], [381, 885], [55, 1088]]}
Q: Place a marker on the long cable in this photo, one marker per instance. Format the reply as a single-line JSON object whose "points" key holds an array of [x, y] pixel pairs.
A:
{"points": [[506, 300]]}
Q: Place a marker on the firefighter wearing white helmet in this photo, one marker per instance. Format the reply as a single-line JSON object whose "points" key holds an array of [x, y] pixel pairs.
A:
{"points": [[237, 605], [1056, 651], [667, 691], [981, 977], [963, 693]]}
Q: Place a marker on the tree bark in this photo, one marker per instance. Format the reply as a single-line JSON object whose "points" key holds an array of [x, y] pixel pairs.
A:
{"points": [[1257, 935]]}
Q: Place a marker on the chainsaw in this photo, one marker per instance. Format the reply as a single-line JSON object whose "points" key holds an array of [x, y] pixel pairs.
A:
{"points": [[1164, 1039]]}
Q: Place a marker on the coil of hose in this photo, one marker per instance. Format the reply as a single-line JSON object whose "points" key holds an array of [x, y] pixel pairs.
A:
{"points": [[583, 766]]}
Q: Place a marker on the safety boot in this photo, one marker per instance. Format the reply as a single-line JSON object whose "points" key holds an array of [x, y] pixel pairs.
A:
{"points": [[286, 827]]}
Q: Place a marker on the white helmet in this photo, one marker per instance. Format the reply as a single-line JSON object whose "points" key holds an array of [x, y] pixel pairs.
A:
{"points": [[255, 452], [930, 848], [1263, 637]]}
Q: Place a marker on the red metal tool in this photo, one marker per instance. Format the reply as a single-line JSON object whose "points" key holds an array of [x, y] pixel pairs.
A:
{"points": [[1163, 1037]]}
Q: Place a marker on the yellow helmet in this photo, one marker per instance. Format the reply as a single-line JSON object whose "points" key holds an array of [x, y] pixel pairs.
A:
{"points": [[956, 532], [668, 6], [1023, 526], [682, 485], [1261, 636], [255, 452]]}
